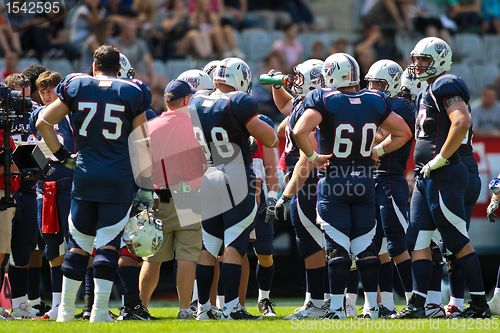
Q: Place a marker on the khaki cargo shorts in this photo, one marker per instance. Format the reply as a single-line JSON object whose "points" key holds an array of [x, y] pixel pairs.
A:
{"points": [[6, 217], [179, 243]]}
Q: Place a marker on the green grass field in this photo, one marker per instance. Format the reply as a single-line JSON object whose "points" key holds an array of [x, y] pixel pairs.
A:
{"points": [[169, 323]]}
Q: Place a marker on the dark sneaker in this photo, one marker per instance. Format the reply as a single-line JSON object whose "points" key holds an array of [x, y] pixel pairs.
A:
{"points": [[453, 311], [237, 313], [434, 311], [473, 311], [41, 308], [335, 314], [266, 307], [326, 306], [138, 312], [410, 312], [194, 307], [85, 314], [384, 312]]}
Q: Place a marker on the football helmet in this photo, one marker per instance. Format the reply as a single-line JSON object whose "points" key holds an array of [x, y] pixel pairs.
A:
{"points": [[198, 79], [126, 70], [340, 70], [210, 67], [439, 54], [388, 72], [143, 234], [410, 85], [235, 73], [306, 77]]}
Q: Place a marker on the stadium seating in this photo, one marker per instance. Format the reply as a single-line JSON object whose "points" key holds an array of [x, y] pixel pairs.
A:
{"points": [[177, 66], [62, 66], [256, 44], [492, 46], [25, 62], [469, 47]]}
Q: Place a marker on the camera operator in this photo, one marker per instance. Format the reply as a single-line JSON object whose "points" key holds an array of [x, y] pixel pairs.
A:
{"points": [[25, 234], [54, 193], [5, 219]]}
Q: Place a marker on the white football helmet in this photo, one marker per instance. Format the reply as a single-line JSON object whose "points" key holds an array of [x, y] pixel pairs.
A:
{"points": [[199, 80], [307, 76], [210, 67], [126, 70], [438, 52], [410, 85], [388, 72], [341, 70], [235, 73], [143, 234]]}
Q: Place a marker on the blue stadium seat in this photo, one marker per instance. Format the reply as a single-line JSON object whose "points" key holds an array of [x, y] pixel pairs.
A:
{"points": [[464, 70], [485, 73], [470, 47], [256, 44], [309, 38], [492, 45], [160, 67], [2, 63], [62, 66], [25, 62], [177, 66]]}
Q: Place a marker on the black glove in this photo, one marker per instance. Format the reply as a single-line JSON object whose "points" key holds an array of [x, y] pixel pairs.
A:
{"points": [[271, 209], [252, 144], [66, 158], [282, 209]]}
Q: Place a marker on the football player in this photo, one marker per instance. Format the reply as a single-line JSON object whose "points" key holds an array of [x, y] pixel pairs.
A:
{"points": [[348, 122], [227, 118], [442, 123], [104, 110], [54, 193], [391, 188], [492, 212], [300, 192]]}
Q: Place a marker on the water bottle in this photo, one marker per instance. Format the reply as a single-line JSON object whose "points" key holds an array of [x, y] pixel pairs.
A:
{"points": [[278, 79]]}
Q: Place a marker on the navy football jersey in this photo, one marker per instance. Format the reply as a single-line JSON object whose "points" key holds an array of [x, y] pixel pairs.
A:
{"points": [[349, 124], [102, 110], [395, 163], [292, 151], [432, 123], [223, 118], [467, 151]]}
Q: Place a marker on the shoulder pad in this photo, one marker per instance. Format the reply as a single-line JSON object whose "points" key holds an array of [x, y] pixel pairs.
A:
{"points": [[450, 85]]}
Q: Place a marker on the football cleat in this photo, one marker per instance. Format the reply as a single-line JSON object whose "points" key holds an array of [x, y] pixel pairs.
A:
{"points": [[100, 316], [384, 312], [85, 314], [24, 311], [453, 311], [410, 312], [266, 307], [207, 313], [185, 314], [335, 314], [326, 306], [372, 313], [194, 307], [137, 312], [308, 311], [42, 308], [434, 311], [237, 313], [494, 305], [473, 311], [350, 310]]}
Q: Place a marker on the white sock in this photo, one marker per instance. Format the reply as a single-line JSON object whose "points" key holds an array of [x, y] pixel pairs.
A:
{"points": [[350, 299], [370, 300], [326, 297], [497, 291], [16, 302], [33, 302], [458, 302], [69, 289], [263, 294], [204, 307], [434, 297], [232, 304], [123, 300], [220, 301], [308, 298], [337, 302], [56, 300], [102, 290], [195, 292], [317, 302], [387, 299], [408, 295]]}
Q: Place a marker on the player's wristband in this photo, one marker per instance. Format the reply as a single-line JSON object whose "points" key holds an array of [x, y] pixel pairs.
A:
{"points": [[379, 150], [62, 154], [313, 157]]}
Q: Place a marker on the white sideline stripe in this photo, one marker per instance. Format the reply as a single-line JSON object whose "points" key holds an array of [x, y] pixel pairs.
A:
{"points": [[212, 243], [86, 242], [423, 239], [107, 234], [383, 247], [399, 214], [456, 221], [233, 232], [311, 227], [361, 243], [337, 236]]}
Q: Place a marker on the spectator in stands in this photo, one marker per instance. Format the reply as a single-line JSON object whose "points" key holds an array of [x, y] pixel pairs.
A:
{"points": [[235, 13], [263, 93], [389, 13], [205, 16], [101, 35], [270, 11], [84, 20], [9, 40], [486, 113], [300, 13], [491, 15], [466, 14], [318, 50], [11, 63], [428, 17], [173, 35], [145, 14], [290, 47], [339, 46], [117, 12]]}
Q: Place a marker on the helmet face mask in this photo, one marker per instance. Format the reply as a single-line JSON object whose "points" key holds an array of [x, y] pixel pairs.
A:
{"points": [[126, 70], [436, 55], [385, 75], [411, 85], [306, 77]]}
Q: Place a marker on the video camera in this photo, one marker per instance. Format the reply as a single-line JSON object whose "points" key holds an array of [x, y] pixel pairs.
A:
{"points": [[13, 105]]}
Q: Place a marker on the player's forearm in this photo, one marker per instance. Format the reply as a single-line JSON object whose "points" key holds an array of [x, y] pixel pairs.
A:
{"points": [[49, 135], [269, 159], [300, 174], [394, 142], [283, 100], [455, 137]]}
